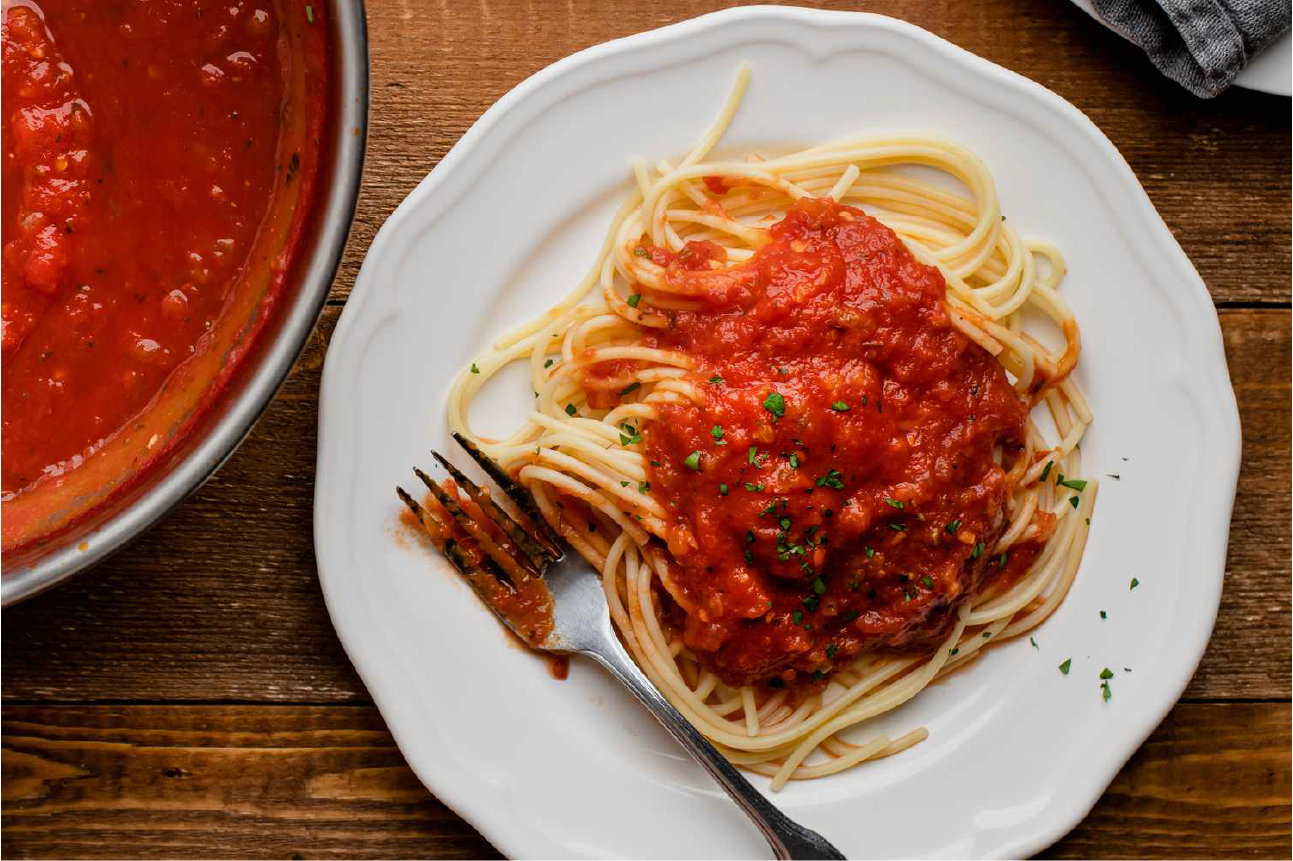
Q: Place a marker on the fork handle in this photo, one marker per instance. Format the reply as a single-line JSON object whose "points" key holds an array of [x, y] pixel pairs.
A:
{"points": [[787, 838]]}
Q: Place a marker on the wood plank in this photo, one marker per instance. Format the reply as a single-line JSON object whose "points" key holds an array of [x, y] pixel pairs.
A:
{"points": [[328, 782], [1255, 617], [169, 618], [1217, 170]]}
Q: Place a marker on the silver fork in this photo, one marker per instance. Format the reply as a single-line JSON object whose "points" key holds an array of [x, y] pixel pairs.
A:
{"points": [[581, 621]]}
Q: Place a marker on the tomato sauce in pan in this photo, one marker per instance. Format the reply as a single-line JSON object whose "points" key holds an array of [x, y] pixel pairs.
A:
{"points": [[143, 145]]}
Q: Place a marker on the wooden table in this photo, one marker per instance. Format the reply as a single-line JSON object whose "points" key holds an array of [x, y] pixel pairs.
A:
{"points": [[189, 697]]}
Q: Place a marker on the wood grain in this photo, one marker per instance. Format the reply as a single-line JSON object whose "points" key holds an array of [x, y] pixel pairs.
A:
{"points": [[168, 618], [189, 698], [328, 782], [1218, 170]]}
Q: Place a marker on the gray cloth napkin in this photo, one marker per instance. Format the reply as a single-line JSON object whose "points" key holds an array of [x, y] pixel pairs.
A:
{"points": [[1200, 44]]}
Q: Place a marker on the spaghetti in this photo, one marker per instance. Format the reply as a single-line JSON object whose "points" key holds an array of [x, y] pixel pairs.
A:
{"points": [[874, 504]]}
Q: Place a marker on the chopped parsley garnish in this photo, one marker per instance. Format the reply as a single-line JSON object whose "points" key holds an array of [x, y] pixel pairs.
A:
{"points": [[1001, 560], [840, 407], [716, 380], [749, 556], [1134, 583], [1105, 691], [1104, 615], [784, 522], [309, 14], [775, 404], [752, 456], [1064, 667], [951, 528], [1074, 483], [630, 388], [953, 651], [1106, 673], [1115, 476], [634, 300], [830, 651], [898, 527], [749, 536], [977, 551], [693, 461], [896, 503], [629, 434], [717, 433], [1047, 470], [810, 603], [906, 596], [754, 488], [927, 581], [644, 487], [987, 634], [722, 490], [570, 409], [624, 484], [819, 586], [794, 461], [1034, 643], [1073, 501], [870, 551], [548, 364], [474, 369], [797, 617], [831, 479]]}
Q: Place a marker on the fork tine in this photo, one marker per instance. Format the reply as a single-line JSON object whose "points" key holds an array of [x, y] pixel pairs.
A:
{"points": [[480, 576], [509, 564], [537, 553], [516, 493], [446, 544], [432, 529], [453, 550]]}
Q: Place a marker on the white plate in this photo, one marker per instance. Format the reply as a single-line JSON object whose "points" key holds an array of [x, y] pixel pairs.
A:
{"points": [[1268, 72], [1018, 753]]}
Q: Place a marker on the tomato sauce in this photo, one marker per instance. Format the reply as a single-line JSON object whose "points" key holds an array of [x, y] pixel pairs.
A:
{"points": [[140, 149], [524, 602], [838, 488]]}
